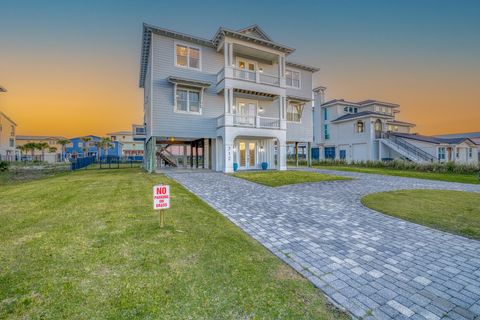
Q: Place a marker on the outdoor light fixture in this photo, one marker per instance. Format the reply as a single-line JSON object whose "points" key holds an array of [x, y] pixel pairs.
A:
{"points": [[261, 148], [260, 109]]}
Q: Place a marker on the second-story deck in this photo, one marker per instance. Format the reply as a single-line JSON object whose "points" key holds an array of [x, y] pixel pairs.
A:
{"points": [[235, 120], [250, 80]]}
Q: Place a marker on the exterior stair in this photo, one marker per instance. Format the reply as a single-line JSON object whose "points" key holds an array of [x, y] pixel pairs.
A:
{"points": [[406, 149], [167, 156]]}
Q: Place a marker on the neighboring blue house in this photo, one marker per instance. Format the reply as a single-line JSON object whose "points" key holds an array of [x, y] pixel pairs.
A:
{"points": [[76, 148]]}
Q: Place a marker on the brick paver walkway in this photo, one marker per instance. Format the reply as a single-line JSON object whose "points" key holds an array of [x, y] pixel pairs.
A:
{"points": [[372, 265]]}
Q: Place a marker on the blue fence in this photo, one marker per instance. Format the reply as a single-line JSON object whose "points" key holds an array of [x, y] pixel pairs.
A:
{"points": [[82, 162]]}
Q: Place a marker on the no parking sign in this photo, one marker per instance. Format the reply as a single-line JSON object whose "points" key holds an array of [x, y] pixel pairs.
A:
{"points": [[161, 200], [161, 197]]}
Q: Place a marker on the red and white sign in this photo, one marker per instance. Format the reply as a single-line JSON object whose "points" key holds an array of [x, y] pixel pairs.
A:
{"points": [[161, 197]]}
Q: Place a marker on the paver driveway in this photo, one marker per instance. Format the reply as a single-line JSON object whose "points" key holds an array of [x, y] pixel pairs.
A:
{"points": [[373, 265]]}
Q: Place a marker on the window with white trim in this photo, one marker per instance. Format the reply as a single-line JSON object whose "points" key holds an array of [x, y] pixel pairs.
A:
{"points": [[294, 112], [187, 100], [292, 78], [470, 152], [187, 56], [441, 153]]}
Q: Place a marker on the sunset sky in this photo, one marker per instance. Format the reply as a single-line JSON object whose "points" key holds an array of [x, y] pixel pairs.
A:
{"points": [[71, 67]]}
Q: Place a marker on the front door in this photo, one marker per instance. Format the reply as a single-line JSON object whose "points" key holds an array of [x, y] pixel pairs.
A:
{"points": [[246, 113], [247, 154]]}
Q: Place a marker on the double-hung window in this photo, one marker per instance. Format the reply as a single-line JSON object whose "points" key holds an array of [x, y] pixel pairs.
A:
{"points": [[470, 153], [187, 100], [292, 78], [441, 153], [294, 112], [187, 56]]}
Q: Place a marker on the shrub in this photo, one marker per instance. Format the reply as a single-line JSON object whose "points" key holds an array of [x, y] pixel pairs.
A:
{"points": [[448, 167], [4, 165]]}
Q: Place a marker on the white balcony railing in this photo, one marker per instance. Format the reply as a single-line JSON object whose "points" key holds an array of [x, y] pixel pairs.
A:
{"points": [[235, 120], [251, 76]]}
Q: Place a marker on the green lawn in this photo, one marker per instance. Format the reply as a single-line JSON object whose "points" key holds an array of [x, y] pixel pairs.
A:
{"points": [[281, 178], [452, 211], [88, 245], [450, 177]]}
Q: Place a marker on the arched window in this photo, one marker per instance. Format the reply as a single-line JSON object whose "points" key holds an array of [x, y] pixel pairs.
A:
{"points": [[360, 127]]}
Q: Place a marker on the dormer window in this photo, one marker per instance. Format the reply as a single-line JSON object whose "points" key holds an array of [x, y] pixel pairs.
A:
{"points": [[292, 78], [350, 109], [187, 56]]}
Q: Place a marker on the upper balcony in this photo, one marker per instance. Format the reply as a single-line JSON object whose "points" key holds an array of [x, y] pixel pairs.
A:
{"points": [[250, 80], [258, 122]]}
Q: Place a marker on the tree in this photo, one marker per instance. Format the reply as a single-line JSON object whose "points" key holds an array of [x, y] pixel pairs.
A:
{"points": [[63, 143], [31, 146], [99, 145], [107, 144], [86, 144], [42, 146]]}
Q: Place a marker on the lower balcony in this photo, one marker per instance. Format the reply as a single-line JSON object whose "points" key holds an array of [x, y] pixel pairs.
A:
{"points": [[235, 120]]}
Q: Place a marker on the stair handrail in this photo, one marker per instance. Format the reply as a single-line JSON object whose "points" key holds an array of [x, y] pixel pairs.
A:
{"points": [[409, 147]]}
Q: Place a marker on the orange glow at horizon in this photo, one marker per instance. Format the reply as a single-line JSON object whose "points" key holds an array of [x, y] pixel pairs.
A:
{"points": [[87, 94]]}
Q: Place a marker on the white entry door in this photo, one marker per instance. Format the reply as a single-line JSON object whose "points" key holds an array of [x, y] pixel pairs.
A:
{"points": [[247, 155], [246, 113]]}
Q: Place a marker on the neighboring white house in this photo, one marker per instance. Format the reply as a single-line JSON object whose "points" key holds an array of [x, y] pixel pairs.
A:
{"points": [[7, 138], [130, 147], [473, 136], [51, 154], [232, 101], [369, 130]]}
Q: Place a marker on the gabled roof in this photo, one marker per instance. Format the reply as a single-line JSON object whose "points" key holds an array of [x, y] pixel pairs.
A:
{"points": [[252, 33], [431, 139], [222, 32], [362, 114], [255, 31]]}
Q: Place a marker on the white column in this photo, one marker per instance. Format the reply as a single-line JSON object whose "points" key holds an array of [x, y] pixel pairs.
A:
{"points": [[282, 153], [225, 54], [230, 54], [226, 96], [228, 154]]}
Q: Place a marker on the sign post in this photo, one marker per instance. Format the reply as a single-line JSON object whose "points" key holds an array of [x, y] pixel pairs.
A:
{"points": [[161, 200]]}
